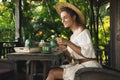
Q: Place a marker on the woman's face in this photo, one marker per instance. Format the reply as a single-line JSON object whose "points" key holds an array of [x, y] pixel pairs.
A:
{"points": [[67, 20]]}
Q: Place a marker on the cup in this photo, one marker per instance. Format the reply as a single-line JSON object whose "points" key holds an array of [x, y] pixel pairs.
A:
{"points": [[53, 43], [46, 49]]}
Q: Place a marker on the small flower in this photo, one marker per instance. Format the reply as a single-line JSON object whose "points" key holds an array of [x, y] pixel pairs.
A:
{"points": [[39, 33]]}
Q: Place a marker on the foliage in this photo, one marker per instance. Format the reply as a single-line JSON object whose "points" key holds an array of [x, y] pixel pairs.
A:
{"points": [[104, 26], [40, 20], [7, 21], [104, 31]]}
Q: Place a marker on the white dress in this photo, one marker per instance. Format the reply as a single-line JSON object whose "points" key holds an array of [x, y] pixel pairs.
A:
{"points": [[82, 39]]}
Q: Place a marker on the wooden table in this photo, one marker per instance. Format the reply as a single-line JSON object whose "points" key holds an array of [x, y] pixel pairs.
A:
{"points": [[32, 57]]}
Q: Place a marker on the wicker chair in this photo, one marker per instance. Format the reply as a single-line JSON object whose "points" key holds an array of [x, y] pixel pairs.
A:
{"points": [[97, 74]]}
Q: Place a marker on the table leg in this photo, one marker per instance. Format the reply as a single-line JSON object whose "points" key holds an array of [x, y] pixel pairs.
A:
{"points": [[16, 71], [45, 69], [27, 69], [32, 70]]}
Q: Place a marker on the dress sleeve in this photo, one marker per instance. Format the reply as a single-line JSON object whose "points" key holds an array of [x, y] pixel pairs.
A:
{"points": [[84, 41]]}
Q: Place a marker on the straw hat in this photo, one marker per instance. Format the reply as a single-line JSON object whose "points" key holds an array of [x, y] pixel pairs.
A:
{"points": [[65, 4]]}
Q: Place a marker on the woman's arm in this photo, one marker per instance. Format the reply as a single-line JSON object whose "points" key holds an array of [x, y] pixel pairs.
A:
{"points": [[64, 49], [74, 47]]}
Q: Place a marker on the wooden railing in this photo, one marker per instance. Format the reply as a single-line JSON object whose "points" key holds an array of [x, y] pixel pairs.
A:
{"points": [[7, 47], [103, 55]]}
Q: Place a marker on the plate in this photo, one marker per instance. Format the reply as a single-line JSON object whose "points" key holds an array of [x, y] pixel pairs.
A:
{"points": [[25, 49]]}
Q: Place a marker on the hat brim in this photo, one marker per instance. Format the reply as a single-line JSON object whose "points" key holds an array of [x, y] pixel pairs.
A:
{"points": [[65, 4]]}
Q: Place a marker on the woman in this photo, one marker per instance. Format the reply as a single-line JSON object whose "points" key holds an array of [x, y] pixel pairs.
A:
{"points": [[79, 48]]}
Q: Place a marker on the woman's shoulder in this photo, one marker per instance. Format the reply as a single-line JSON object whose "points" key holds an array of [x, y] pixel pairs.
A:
{"points": [[85, 31], [85, 34]]}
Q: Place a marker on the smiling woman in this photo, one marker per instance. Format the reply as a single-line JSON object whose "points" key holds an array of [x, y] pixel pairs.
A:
{"points": [[79, 49]]}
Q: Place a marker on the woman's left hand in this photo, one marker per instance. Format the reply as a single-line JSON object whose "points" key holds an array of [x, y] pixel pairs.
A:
{"points": [[62, 47], [61, 41]]}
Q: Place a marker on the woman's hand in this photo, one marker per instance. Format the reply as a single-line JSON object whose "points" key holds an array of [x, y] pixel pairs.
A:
{"points": [[62, 47], [61, 41]]}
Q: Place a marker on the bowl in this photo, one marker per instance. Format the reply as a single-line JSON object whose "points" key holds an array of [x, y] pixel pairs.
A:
{"points": [[26, 49]]}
